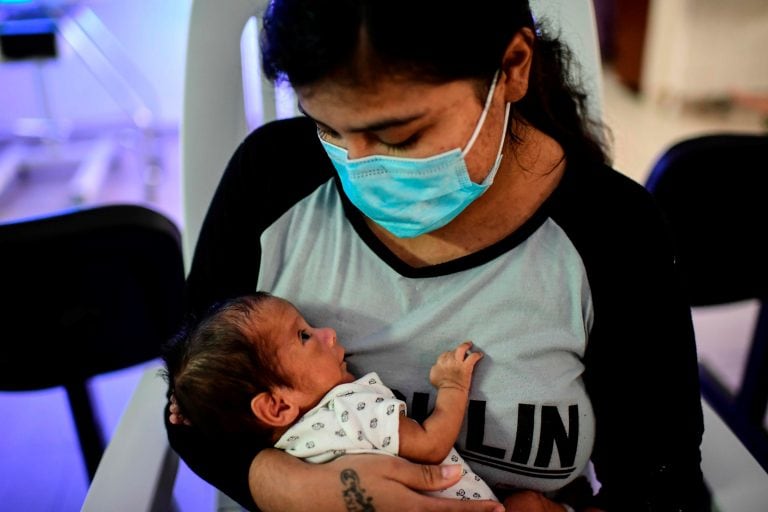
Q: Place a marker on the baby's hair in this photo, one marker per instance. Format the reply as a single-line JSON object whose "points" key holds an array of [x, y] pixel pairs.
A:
{"points": [[224, 361]]}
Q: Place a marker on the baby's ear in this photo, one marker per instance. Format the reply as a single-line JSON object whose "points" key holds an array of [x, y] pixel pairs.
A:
{"points": [[275, 408]]}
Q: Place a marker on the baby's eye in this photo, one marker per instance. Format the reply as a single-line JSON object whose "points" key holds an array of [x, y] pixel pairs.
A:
{"points": [[304, 335]]}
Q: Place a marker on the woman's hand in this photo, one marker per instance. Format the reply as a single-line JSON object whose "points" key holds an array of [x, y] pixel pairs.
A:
{"points": [[364, 483], [531, 501]]}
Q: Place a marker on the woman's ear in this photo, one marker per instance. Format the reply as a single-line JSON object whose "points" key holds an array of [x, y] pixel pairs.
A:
{"points": [[516, 65], [275, 408]]}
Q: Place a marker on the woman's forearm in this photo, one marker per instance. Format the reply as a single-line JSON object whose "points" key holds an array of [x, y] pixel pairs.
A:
{"points": [[277, 481], [282, 483]]}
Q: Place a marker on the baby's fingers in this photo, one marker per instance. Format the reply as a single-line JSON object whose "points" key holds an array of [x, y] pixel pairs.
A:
{"points": [[460, 352], [473, 358], [465, 356], [175, 416]]}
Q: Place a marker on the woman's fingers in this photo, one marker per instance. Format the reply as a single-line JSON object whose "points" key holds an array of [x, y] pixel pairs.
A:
{"points": [[425, 477], [531, 501]]}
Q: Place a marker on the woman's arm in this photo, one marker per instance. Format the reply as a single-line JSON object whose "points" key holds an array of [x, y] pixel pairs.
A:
{"points": [[640, 363], [372, 483], [431, 441]]}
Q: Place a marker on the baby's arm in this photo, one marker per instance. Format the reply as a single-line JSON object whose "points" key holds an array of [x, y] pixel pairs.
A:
{"points": [[430, 442]]}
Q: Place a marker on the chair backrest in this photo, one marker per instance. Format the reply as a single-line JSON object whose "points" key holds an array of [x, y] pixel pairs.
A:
{"points": [[214, 117], [213, 114], [713, 189], [86, 292]]}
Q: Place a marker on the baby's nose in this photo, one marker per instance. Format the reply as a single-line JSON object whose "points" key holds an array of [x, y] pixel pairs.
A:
{"points": [[329, 336]]}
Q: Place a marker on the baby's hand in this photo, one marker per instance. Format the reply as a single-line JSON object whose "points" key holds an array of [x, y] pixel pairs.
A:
{"points": [[453, 369]]}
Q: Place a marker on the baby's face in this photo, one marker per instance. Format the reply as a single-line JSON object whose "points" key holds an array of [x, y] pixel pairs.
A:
{"points": [[310, 357]]}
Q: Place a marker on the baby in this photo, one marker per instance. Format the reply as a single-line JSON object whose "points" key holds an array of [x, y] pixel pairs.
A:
{"points": [[254, 365]]}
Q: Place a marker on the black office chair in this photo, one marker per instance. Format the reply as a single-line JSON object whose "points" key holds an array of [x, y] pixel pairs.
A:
{"points": [[85, 292], [714, 191]]}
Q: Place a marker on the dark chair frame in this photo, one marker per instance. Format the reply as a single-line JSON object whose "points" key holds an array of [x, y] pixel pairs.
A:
{"points": [[85, 292], [713, 189]]}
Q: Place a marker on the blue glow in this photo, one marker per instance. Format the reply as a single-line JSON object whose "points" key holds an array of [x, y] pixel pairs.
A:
{"points": [[16, 1], [28, 27]]}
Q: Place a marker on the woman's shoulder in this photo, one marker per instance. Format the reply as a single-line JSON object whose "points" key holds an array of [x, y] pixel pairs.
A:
{"points": [[597, 204], [607, 185], [599, 191]]}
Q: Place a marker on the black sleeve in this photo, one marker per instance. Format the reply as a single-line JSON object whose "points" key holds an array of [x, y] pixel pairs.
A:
{"points": [[641, 364], [275, 167]]}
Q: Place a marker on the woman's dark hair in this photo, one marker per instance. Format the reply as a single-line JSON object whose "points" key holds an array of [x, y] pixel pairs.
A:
{"points": [[222, 363], [304, 41]]}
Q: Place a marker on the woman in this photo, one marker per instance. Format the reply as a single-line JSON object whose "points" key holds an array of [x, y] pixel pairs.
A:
{"points": [[447, 183]]}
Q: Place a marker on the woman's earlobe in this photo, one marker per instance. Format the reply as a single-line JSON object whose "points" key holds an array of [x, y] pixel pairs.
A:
{"points": [[274, 408], [516, 65]]}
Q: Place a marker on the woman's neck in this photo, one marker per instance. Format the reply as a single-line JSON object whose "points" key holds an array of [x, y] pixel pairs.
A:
{"points": [[530, 171]]}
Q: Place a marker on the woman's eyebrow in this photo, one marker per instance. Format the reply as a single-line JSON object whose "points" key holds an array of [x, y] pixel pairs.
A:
{"points": [[383, 124]]}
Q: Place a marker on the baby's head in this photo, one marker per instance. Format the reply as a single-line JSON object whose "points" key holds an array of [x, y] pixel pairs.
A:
{"points": [[254, 365]]}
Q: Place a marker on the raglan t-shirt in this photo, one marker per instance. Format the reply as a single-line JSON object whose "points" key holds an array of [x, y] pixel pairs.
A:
{"points": [[529, 422], [587, 337]]}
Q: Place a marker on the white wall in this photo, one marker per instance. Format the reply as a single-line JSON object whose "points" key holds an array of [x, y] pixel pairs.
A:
{"points": [[705, 49], [151, 32]]}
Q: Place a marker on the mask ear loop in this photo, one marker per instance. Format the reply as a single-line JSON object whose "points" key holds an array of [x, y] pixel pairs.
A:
{"points": [[489, 179], [483, 115]]}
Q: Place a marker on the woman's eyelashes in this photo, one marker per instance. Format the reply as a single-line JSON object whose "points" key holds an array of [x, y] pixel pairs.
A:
{"points": [[402, 146], [326, 134]]}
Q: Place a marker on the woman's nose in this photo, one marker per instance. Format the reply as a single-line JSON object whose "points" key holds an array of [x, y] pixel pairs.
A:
{"points": [[358, 147]]}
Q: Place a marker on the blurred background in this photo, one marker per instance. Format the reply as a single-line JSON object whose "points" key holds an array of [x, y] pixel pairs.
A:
{"points": [[92, 117]]}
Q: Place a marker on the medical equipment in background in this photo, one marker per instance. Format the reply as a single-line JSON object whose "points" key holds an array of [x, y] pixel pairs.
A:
{"points": [[31, 30]]}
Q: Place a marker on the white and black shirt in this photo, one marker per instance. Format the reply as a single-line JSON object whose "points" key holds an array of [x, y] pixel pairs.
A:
{"points": [[587, 336]]}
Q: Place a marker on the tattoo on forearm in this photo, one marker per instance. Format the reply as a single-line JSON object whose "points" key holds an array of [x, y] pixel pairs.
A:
{"points": [[354, 495]]}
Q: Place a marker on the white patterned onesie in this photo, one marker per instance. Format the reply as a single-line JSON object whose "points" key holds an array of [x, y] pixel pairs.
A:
{"points": [[364, 417]]}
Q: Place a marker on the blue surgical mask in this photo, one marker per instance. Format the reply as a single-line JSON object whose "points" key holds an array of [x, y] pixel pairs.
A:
{"points": [[412, 196]]}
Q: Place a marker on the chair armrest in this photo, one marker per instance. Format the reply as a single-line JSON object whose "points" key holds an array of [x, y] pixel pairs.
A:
{"points": [[138, 469], [738, 483]]}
